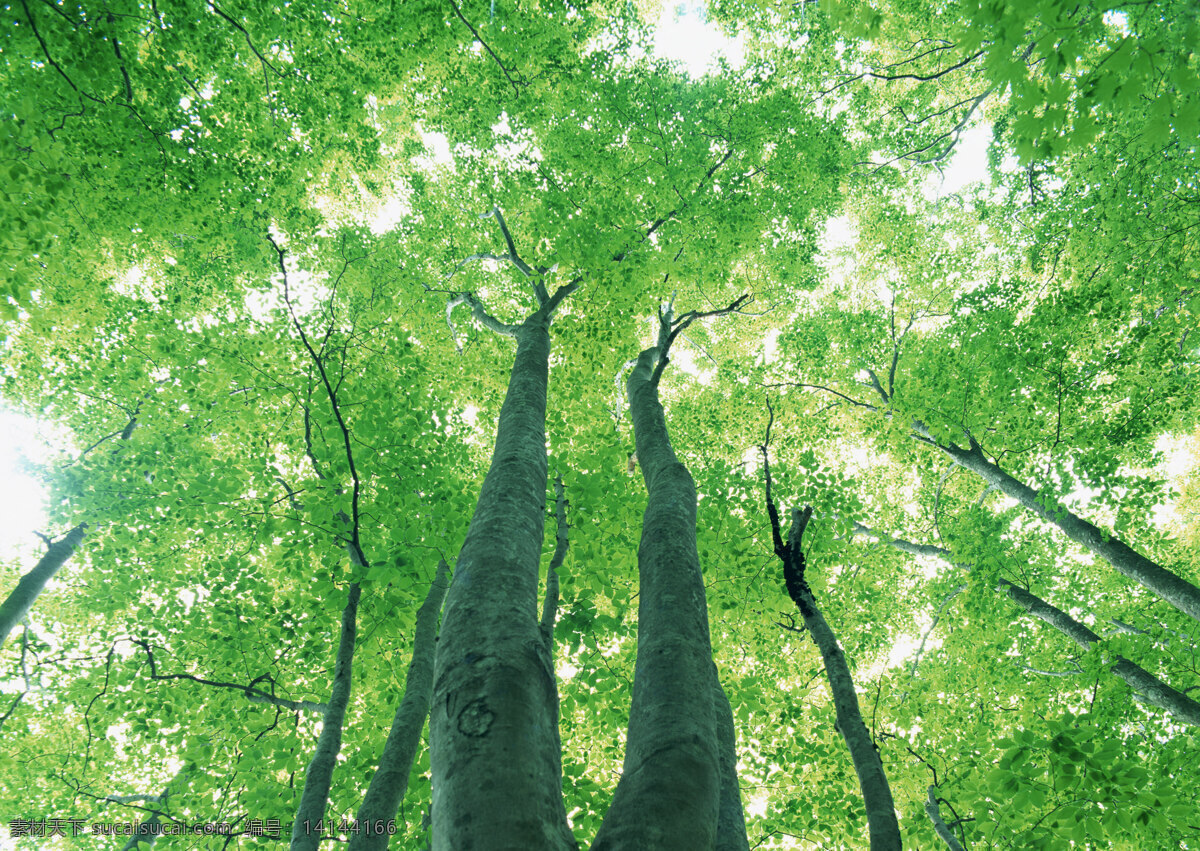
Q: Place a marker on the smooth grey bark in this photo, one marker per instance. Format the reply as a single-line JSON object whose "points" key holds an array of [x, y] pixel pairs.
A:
{"points": [[494, 746], [939, 825], [390, 781], [21, 599], [677, 789], [731, 818], [306, 830], [1149, 687], [1128, 628], [550, 597], [1169, 586]]}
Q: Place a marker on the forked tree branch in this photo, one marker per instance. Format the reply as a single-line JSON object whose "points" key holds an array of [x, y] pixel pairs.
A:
{"points": [[481, 315], [939, 825], [249, 42], [535, 274], [849, 399], [670, 327], [772, 510]]}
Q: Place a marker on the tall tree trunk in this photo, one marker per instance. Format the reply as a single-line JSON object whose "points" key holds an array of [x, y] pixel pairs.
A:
{"points": [[306, 830], [390, 781], [882, 825], [1153, 690], [671, 795], [550, 598], [497, 770], [21, 599], [1174, 589]]}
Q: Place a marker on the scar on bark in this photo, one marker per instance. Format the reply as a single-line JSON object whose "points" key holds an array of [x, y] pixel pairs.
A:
{"points": [[475, 719]]}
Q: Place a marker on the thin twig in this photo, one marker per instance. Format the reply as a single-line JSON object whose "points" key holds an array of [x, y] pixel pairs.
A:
{"points": [[356, 544], [486, 46], [249, 42]]}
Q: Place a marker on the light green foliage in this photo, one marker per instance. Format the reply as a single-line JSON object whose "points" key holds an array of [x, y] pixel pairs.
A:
{"points": [[1070, 70], [1050, 312]]}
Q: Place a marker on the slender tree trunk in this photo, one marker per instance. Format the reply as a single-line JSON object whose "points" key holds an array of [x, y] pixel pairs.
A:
{"points": [[939, 824], [1151, 688], [306, 830], [29, 588], [877, 794], [671, 795], [21, 600], [497, 771], [1174, 589], [390, 780], [882, 826]]}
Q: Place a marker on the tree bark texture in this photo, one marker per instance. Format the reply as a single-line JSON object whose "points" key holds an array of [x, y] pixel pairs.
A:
{"points": [[1150, 687], [306, 833], [731, 819], [1174, 589], [882, 825], [670, 792], [561, 543], [497, 771], [21, 599], [390, 781]]}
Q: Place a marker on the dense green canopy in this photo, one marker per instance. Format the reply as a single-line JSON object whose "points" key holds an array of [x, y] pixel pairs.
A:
{"points": [[254, 258]]}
